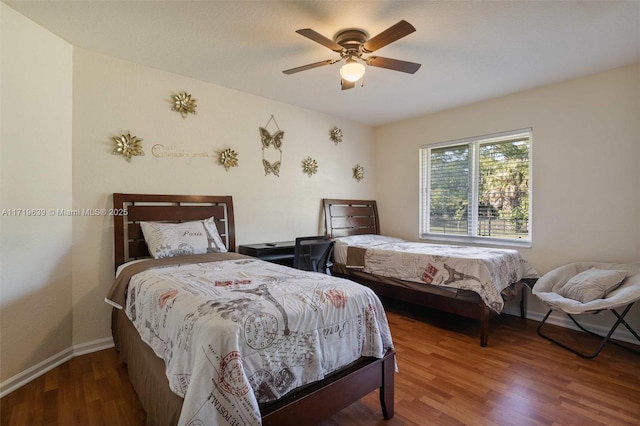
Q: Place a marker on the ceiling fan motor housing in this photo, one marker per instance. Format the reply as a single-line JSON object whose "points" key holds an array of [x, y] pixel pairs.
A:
{"points": [[351, 40]]}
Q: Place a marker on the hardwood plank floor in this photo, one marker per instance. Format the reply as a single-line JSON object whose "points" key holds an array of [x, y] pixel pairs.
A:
{"points": [[444, 378]]}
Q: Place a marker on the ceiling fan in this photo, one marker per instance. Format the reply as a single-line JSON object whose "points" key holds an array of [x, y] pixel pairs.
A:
{"points": [[352, 44]]}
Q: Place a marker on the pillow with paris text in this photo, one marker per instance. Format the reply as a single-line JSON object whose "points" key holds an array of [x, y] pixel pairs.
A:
{"points": [[179, 239]]}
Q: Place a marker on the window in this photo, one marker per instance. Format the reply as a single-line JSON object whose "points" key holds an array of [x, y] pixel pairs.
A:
{"points": [[477, 189]]}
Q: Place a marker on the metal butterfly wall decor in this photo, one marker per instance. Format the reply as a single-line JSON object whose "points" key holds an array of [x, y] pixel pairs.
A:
{"points": [[271, 140], [271, 168]]}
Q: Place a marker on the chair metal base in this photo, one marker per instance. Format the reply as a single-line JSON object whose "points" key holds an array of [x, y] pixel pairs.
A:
{"points": [[620, 320]]}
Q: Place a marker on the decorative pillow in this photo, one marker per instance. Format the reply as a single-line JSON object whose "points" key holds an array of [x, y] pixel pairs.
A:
{"points": [[368, 240], [591, 284], [178, 239]]}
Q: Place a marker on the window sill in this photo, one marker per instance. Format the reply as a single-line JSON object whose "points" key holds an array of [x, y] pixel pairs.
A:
{"points": [[464, 239]]}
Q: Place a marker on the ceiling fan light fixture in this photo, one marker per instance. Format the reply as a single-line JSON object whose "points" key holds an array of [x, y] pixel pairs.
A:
{"points": [[352, 71], [351, 44]]}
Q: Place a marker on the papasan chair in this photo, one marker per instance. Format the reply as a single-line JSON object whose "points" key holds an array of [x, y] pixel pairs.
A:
{"points": [[590, 288]]}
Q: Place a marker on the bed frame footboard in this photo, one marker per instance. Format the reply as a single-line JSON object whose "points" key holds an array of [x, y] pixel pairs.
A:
{"points": [[322, 399]]}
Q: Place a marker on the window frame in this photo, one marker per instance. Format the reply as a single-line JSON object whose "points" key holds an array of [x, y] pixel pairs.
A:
{"points": [[474, 144]]}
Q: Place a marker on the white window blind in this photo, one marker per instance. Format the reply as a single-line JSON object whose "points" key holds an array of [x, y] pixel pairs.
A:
{"points": [[477, 189]]}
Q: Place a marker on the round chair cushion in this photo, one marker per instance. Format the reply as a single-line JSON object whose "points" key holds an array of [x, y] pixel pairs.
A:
{"points": [[554, 287]]}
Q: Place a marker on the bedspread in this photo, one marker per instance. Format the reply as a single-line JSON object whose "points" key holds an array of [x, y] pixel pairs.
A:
{"points": [[485, 271], [239, 332]]}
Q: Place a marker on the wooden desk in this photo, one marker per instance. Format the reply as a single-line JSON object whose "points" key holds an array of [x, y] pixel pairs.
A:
{"points": [[280, 252]]}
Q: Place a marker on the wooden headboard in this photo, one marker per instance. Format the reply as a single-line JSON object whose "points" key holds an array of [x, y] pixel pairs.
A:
{"points": [[131, 209], [350, 217]]}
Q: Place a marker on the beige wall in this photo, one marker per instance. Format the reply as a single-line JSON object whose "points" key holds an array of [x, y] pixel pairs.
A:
{"points": [[35, 137], [586, 166], [61, 106], [112, 97]]}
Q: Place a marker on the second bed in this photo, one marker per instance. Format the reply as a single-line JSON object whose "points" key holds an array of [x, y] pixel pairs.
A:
{"points": [[469, 281]]}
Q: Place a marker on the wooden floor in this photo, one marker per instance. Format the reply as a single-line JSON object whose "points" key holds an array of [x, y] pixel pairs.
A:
{"points": [[445, 378]]}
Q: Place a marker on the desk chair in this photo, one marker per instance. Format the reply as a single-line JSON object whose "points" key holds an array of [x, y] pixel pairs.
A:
{"points": [[312, 253]]}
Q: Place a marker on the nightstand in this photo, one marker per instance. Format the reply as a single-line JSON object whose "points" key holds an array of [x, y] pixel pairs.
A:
{"points": [[280, 252]]}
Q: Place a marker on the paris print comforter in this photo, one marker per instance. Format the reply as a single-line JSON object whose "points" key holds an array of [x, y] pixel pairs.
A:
{"points": [[239, 332], [483, 270]]}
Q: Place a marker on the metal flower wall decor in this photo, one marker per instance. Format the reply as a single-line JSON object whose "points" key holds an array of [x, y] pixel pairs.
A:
{"points": [[335, 134], [228, 158], [184, 104], [128, 146], [309, 166], [358, 172]]}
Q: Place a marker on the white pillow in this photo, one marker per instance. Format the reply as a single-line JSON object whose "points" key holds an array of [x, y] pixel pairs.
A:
{"points": [[368, 240], [591, 284], [178, 239]]}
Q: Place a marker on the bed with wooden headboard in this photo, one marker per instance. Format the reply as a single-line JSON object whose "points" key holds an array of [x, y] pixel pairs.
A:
{"points": [[345, 218], [308, 404]]}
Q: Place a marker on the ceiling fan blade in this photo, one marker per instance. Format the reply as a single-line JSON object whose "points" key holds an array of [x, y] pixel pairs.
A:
{"points": [[388, 36], [319, 38], [393, 64], [347, 84], [310, 66]]}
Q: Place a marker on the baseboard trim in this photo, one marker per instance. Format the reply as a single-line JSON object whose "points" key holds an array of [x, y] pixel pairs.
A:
{"points": [[621, 333], [95, 346], [52, 362]]}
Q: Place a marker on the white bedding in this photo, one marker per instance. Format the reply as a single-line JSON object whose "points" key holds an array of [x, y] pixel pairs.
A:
{"points": [[238, 332], [485, 271], [366, 241]]}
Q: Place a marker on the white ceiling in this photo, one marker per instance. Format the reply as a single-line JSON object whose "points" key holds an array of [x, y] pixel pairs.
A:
{"points": [[469, 50]]}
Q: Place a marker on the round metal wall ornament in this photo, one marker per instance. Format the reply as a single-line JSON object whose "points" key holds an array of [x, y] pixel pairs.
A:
{"points": [[309, 166], [128, 146], [228, 158], [358, 172], [184, 104], [335, 135]]}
